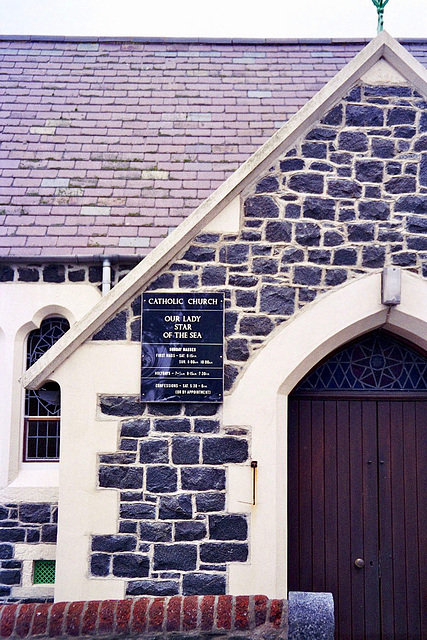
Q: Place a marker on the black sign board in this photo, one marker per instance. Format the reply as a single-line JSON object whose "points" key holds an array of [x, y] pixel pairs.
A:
{"points": [[182, 347]]}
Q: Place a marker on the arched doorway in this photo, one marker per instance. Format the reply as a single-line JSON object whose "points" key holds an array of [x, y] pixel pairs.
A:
{"points": [[357, 462]]}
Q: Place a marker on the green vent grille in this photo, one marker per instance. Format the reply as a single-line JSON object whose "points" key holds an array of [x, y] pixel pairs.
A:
{"points": [[44, 571]]}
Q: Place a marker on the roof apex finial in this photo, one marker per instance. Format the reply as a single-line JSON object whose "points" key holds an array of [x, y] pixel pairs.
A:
{"points": [[380, 4]]}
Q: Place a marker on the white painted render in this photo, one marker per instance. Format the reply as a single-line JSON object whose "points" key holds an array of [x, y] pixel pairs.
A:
{"points": [[22, 309]]}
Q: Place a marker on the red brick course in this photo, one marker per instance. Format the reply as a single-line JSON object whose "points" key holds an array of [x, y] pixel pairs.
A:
{"points": [[217, 615]]}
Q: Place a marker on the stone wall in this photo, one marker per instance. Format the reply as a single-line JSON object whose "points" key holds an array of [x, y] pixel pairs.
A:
{"points": [[348, 199], [34, 271], [24, 523]]}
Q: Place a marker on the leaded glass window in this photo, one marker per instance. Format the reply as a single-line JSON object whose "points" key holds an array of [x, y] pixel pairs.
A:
{"points": [[377, 362], [43, 406]]}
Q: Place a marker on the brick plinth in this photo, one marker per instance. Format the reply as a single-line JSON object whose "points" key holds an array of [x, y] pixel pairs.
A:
{"points": [[195, 616]]}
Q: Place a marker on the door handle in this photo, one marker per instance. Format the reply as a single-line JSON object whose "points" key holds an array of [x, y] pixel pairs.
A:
{"points": [[359, 563]]}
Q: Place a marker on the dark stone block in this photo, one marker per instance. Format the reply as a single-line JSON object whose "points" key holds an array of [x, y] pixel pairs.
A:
{"points": [[404, 132], [230, 374], [238, 349], [230, 322], [6, 551], [332, 239], [187, 531], [234, 253], [265, 266], [121, 406], [203, 584], [118, 458], [131, 496], [95, 274], [321, 133], [423, 122], [344, 189], [401, 185], [411, 169], [213, 276], [164, 409], [382, 148], [278, 231], [384, 235], [176, 507], [228, 527], [319, 256], [130, 565], [135, 330], [261, 207], [405, 259], [27, 274], [100, 564], [267, 185], [4, 513], [421, 144], [161, 479], [344, 172], [5, 591], [49, 533], [174, 425], [373, 257], [115, 329], [155, 531], [137, 511], [35, 513], [361, 232], [135, 428], [341, 158], [10, 577], [11, 564], [319, 208], [334, 116], [121, 477], [256, 325], [394, 168], [314, 150], [423, 170], [188, 281], [292, 211], [199, 254], [13, 534], [206, 426], [277, 299], [202, 409], [54, 273], [369, 171], [207, 238], [321, 166], [364, 116], [236, 280], [306, 182], [178, 557], [202, 479], [208, 502], [292, 164], [307, 275], [385, 90], [374, 210], [136, 306], [307, 234], [416, 224], [353, 141], [417, 244], [223, 450], [6, 273], [292, 255], [372, 192], [152, 451], [400, 115], [185, 450], [412, 204], [335, 277], [354, 95], [152, 588], [246, 298], [213, 552], [33, 536], [113, 543], [345, 257]]}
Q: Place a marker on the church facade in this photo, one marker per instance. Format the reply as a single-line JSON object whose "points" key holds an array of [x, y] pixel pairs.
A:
{"points": [[318, 439]]}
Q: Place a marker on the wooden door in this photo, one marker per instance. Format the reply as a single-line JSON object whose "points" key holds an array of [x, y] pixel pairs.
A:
{"points": [[357, 474]]}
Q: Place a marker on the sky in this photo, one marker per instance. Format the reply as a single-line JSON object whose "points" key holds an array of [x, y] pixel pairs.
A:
{"points": [[218, 18]]}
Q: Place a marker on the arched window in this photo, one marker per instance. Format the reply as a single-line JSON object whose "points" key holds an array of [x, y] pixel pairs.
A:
{"points": [[43, 406]]}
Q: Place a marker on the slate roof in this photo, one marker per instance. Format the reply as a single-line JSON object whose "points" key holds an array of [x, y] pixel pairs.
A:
{"points": [[107, 146]]}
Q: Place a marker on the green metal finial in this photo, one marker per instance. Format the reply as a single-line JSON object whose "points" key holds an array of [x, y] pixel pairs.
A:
{"points": [[380, 4]]}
